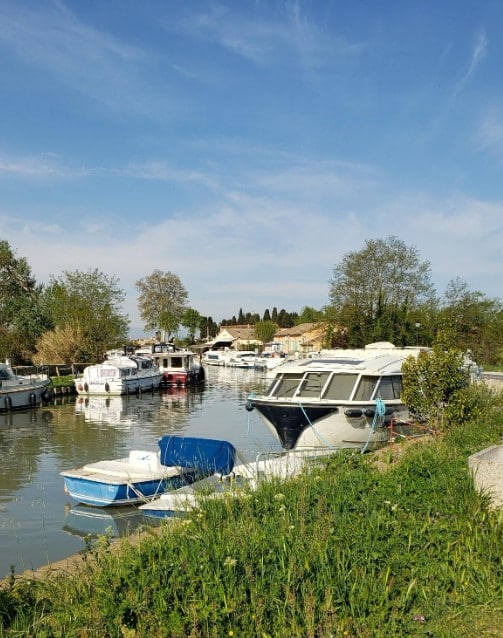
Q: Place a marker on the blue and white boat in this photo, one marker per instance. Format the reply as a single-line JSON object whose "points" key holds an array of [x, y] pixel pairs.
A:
{"points": [[143, 475], [244, 478]]}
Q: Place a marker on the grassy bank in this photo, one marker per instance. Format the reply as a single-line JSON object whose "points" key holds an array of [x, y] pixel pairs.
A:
{"points": [[391, 544]]}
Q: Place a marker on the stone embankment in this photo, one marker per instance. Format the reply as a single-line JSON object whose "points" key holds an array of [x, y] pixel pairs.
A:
{"points": [[493, 379]]}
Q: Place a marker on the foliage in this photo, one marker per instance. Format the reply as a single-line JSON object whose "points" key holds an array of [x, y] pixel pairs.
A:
{"points": [[87, 306], [363, 545], [265, 331], [475, 319], [431, 380], [207, 328], [309, 315], [22, 316], [61, 345], [374, 291], [162, 302], [191, 320]]}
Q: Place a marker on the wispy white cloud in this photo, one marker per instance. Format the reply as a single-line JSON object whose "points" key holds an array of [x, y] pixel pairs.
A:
{"points": [[478, 53], [267, 41], [41, 167], [49, 37], [489, 135]]}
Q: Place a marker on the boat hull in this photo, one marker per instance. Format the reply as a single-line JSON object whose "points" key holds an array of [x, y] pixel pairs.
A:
{"points": [[298, 426], [107, 494], [118, 387], [28, 394]]}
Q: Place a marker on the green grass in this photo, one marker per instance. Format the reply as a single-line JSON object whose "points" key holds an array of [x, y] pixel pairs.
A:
{"points": [[395, 544]]}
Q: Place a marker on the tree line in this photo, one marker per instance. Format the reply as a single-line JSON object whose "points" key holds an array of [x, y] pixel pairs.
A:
{"points": [[382, 292]]}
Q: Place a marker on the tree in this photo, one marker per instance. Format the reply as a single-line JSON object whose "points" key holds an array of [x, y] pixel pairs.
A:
{"points": [[162, 302], [265, 330], [87, 304], [191, 320], [475, 319], [61, 345], [433, 378], [374, 291], [22, 314], [309, 315]]}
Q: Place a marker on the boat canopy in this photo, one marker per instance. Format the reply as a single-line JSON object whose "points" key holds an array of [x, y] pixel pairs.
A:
{"points": [[203, 455]]}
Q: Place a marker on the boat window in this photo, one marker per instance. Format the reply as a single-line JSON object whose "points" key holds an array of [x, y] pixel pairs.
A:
{"points": [[366, 388], [313, 384], [4, 374], [286, 386], [340, 387], [176, 362], [105, 373], [390, 387]]}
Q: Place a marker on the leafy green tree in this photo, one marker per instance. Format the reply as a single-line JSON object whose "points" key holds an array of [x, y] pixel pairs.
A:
{"points": [[309, 315], [22, 314], [433, 378], [265, 330], [475, 319], [267, 315], [375, 291], [162, 302], [87, 305], [191, 320]]}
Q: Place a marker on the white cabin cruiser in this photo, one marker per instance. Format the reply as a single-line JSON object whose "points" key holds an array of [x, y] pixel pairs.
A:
{"points": [[21, 391], [332, 400], [120, 375]]}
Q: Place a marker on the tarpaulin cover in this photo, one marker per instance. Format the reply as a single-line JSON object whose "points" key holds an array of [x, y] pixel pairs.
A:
{"points": [[204, 455]]}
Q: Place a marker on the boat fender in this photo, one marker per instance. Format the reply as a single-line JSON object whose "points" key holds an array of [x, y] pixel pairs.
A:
{"points": [[8, 403], [33, 400], [353, 412], [86, 387], [47, 396], [80, 387], [0, 383], [370, 412], [107, 387], [249, 406]]}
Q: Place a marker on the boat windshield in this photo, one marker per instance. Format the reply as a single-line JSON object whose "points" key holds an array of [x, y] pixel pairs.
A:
{"points": [[390, 387], [6, 374], [340, 387], [285, 385]]}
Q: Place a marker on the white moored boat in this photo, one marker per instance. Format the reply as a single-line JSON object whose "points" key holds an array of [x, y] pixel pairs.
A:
{"points": [[21, 391], [120, 375], [343, 398]]}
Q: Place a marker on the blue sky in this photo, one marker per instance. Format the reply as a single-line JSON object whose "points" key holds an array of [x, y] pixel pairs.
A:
{"points": [[248, 146]]}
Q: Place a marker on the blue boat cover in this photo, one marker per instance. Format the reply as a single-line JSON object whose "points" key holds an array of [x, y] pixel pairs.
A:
{"points": [[204, 455]]}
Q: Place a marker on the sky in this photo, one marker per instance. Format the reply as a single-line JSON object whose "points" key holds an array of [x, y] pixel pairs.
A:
{"points": [[248, 146]]}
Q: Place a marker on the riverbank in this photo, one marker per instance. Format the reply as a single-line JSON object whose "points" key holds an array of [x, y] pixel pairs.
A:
{"points": [[398, 543]]}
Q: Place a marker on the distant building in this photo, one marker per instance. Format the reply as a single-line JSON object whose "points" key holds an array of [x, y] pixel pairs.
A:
{"points": [[301, 339], [234, 337]]}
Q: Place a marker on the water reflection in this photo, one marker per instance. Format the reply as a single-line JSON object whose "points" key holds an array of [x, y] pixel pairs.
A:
{"points": [[84, 521], [36, 445]]}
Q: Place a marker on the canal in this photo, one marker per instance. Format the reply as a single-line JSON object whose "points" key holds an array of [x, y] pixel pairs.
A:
{"points": [[39, 523]]}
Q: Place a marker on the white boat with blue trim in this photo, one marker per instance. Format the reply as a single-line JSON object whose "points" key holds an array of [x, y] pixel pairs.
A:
{"points": [[146, 474]]}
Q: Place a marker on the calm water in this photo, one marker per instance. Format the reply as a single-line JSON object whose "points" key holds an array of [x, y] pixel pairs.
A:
{"points": [[39, 523]]}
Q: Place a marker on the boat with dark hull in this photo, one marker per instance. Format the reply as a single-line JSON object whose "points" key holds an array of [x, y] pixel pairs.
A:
{"points": [[340, 399]]}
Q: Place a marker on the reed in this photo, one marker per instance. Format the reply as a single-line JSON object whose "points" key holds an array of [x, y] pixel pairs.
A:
{"points": [[390, 544]]}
